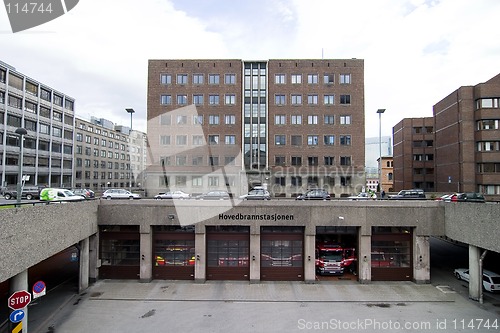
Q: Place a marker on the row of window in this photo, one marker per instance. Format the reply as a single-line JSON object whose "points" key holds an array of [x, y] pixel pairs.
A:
{"points": [[230, 99], [102, 164], [281, 119], [296, 181], [30, 143], [312, 140], [488, 167], [102, 132], [328, 78], [102, 153], [104, 175], [196, 140], [16, 102], [41, 162], [101, 141], [311, 160], [487, 124], [487, 103], [213, 119], [42, 128], [197, 79], [488, 146], [182, 160]]}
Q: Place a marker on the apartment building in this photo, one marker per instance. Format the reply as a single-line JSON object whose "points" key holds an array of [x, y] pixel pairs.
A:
{"points": [[48, 117], [286, 124], [107, 155]]}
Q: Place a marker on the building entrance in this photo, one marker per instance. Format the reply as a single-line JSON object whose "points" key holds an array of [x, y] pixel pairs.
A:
{"points": [[173, 252]]}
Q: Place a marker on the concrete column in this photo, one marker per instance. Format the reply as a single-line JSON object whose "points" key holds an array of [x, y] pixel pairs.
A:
{"points": [[364, 255], [475, 278], [146, 249], [18, 283], [200, 266], [93, 257], [254, 254], [83, 277], [421, 259], [309, 254]]}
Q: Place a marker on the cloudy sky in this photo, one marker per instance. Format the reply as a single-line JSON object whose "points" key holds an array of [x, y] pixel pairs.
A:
{"points": [[416, 52]]}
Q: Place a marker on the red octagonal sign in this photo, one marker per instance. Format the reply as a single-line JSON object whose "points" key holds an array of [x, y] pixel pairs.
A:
{"points": [[19, 299]]}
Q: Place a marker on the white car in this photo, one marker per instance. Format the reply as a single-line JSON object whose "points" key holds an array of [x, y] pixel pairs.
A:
{"points": [[59, 194], [491, 280], [363, 196], [119, 193], [173, 195]]}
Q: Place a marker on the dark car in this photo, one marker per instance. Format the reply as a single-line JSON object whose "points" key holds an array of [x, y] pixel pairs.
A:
{"points": [[415, 194], [465, 197], [28, 193], [214, 195], [84, 192], [316, 194]]}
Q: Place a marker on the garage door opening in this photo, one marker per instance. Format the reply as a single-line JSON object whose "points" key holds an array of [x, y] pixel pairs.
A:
{"points": [[336, 253]]}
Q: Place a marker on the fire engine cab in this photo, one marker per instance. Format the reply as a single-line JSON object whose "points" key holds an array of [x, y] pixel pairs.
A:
{"points": [[333, 259]]}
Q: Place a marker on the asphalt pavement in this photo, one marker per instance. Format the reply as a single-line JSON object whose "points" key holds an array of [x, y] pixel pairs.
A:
{"points": [[234, 306]]}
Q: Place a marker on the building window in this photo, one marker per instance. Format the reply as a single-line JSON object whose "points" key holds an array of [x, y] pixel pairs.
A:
{"points": [[213, 79], [345, 99], [329, 79], [181, 140], [197, 78], [296, 181], [180, 120], [296, 140], [296, 78], [166, 100], [345, 140], [297, 160], [181, 99], [345, 120], [213, 139], [296, 99], [329, 99], [230, 119], [230, 99], [213, 99], [198, 140], [213, 119], [312, 120], [279, 99], [345, 181], [230, 78], [280, 119], [230, 140], [198, 99], [312, 78], [198, 120], [345, 78], [280, 79], [329, 140], [296, 120], [312, 140], [180, 160], [165, 140], [280, 181], [166, 79], [280, 140], [182, 79], [329, 160], [279, 160], [312, 99], [345, 160], [213, 160], [312, 160], [329, 120]]}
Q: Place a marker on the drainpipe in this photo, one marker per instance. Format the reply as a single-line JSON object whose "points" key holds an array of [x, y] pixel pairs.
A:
{"points": [[481, 275]]}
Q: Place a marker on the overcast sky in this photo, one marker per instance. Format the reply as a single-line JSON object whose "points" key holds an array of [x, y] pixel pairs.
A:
{"points": [[416, 52]]}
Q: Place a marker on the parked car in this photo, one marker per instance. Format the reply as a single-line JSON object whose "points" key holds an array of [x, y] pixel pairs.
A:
{"points": [[59, 194], [491, 280], [256, 194], [119, 193], [213, 195], [173, 195], [85, 192], [316, 194], [417, 194], [462, 197], [28, 192], [363, 196]]}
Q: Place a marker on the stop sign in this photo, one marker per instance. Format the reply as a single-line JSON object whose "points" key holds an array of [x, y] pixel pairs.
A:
{"points": [[19, 300]]}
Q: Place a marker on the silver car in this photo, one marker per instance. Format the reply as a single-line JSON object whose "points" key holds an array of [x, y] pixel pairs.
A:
{"points": [[119, 193], [173, 195]]}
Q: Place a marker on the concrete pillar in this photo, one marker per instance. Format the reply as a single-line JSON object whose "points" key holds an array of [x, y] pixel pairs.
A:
{"points": [[18, 283], [83, 276], [146, 252], [254, 254], [309, 254], [475, 278], [421, 259], [200, 266], [93, 257], [364, 255]]}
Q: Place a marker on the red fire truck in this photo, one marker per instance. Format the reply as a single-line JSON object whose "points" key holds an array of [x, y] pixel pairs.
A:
{"points": [[333, 259]]}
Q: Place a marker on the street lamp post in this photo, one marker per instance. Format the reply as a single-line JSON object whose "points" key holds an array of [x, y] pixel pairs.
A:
{"points": [[131, 111], [380, 111], [20, 131]]}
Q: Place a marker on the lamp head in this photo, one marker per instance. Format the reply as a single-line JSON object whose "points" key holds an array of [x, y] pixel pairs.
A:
{"points": [[380, 111], [21, 131]]}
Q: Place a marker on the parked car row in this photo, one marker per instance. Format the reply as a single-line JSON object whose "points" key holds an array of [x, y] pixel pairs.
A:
{"points": [[462, 197]]}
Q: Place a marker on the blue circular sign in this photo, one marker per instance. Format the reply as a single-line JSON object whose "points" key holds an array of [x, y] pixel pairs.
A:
{"points": [[16, 316], [38, 287]]}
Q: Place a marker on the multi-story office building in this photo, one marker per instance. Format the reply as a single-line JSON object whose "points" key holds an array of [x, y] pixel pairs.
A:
{"points": [[414, 154], [467, 139], [107, 155], [48, 117], [285, 124]]}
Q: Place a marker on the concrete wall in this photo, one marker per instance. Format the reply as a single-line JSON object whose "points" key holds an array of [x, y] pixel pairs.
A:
{"points": [[31, 234]]}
